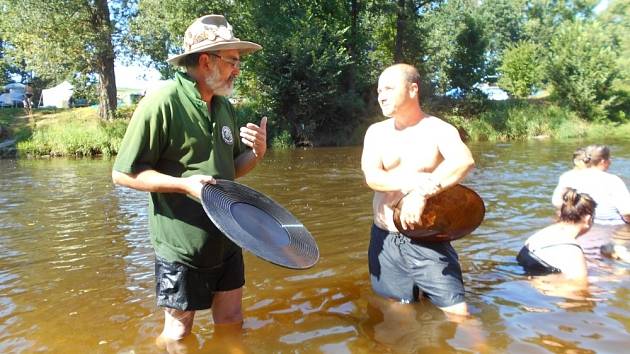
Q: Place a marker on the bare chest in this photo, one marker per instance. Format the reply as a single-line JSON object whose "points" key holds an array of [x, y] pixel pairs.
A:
{"points": [[410, 151]]}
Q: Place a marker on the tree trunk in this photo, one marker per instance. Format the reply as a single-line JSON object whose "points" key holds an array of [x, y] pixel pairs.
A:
{"points": [[352, 43], [105, 60], [400, 31]]}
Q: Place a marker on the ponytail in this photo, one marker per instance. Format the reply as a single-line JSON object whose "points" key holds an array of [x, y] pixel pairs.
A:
{"points": [[594, 154], [575, 206]]}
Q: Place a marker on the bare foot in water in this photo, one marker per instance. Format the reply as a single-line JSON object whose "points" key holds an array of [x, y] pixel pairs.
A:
{"points": [[173, 346]]}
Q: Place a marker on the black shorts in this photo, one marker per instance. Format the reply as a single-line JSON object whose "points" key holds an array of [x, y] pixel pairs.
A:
{"points": [[184, 288], [400, 268]]}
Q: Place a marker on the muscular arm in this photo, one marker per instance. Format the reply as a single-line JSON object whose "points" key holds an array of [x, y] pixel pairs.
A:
{"points": [[458, 160]]}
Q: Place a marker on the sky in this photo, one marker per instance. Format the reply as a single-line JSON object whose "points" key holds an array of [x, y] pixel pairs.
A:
{"points": [[601, 6], [134, 77]]}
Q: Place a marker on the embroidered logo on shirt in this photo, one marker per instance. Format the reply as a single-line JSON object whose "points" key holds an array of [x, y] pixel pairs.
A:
{"points": [[226, 133]]}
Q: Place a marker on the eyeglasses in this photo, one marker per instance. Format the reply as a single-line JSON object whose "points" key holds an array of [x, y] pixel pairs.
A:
{"points": [[235, 62]]}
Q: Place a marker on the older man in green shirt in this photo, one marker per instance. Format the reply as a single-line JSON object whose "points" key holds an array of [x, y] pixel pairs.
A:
{"points": [[179, 139]]}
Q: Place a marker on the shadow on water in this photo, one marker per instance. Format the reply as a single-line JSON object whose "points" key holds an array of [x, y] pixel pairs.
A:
{"points": [[76, 265]]}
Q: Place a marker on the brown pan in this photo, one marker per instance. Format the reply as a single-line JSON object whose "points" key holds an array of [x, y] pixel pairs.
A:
{"points": [[447, 216]]}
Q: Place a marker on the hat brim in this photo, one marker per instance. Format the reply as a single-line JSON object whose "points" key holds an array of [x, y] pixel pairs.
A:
{"points": [[260, 225], [447, 216], [244, 48]]}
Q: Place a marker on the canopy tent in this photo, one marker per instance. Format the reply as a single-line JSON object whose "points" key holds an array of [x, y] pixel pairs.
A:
{"points": [[58, 96]]}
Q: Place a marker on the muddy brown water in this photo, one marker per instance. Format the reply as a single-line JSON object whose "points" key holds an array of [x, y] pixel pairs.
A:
{"points": [[76, 265]]}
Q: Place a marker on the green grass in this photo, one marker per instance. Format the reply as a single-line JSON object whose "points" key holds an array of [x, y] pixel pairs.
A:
{"points": [[72, 132], [531, 119], [15, 124]]}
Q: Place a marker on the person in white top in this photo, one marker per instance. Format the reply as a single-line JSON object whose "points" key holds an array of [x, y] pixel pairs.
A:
{"points": [[608, 190]]}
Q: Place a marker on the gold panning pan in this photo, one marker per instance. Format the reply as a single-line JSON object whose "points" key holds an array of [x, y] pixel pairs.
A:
{"points": [[259, 225], [447, 216]]}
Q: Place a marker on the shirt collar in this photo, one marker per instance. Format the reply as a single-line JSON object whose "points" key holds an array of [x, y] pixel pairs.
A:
{"points": [[189, 87]]}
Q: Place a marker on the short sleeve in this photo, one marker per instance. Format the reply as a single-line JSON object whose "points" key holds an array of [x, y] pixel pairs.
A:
{"points": [[144, 138]]}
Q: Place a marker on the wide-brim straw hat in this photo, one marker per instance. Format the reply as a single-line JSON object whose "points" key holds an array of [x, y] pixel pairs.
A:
{"points": [[211, 33]]}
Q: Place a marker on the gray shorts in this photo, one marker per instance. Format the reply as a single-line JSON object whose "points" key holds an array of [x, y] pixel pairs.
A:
{"points": [[401, 268]]}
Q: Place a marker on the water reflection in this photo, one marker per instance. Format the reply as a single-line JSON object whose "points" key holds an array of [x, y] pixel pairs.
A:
{"points": [[76, 265]]}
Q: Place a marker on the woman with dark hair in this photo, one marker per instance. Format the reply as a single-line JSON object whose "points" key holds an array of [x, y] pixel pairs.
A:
{"points": [[590, 176], [554, 249]]}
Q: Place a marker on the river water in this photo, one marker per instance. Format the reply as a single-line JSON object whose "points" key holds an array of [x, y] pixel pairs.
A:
{"points": [[76, 265]]}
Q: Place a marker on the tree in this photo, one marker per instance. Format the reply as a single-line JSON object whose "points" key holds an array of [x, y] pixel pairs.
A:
{"points": [[5, 66], [582, 67], [455, 45], [522, 68], [59, 38], [300, 78], [617, 18], [502, 22], [545, 16]]}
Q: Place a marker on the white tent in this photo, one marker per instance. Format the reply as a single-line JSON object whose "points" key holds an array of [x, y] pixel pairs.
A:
{"points": [[58, 96]]}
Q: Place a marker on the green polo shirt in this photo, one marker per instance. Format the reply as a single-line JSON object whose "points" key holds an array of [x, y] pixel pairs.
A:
{"points": [[172, 131]]}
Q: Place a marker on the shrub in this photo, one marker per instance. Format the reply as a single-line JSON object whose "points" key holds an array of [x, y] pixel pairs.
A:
{"points": [[522, 69], [582, 67]]}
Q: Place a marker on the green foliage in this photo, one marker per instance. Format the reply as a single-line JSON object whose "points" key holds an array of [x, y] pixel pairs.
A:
{"points": [[85, 87], [455, 45], [503, 25], [282, 141], [518, 120], [125, 112], [300, 78], [316, 77], [522, 69], [468, 59], [581, 67], [617, 19]]}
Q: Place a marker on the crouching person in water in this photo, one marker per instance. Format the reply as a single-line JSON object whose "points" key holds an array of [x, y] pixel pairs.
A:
{"points": [[554, 249]]}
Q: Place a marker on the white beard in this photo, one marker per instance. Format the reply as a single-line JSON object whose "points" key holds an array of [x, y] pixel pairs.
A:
{"points": [[217, 86]]}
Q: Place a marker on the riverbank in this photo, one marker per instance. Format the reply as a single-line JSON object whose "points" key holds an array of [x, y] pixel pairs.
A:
{"points": [[79, 132], [63, 132]]}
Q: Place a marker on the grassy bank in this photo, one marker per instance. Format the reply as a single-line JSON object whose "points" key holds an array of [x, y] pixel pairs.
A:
{"points": [[65, 132], [529, 119], [79, 132]]}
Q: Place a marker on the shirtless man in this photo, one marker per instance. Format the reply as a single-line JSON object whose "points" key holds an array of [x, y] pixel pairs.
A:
{"points": [[417, 155]]}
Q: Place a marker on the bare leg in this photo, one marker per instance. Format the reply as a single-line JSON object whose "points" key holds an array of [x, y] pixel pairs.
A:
{"points": [[228, 320], [177, 325], [460, 309], [468, 326], [227, 307]]}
